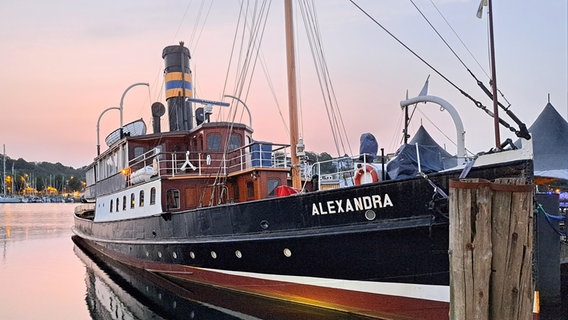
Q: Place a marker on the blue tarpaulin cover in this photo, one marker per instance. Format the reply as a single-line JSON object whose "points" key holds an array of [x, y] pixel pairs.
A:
{"points": [[405, 164], [368, 146]]}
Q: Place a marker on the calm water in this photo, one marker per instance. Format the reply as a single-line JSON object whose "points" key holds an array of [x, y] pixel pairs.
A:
{"points": [[40, 276], [43, 275]]}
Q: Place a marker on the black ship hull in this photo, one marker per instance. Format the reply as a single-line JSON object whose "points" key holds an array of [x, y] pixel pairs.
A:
{"points": [[378, 249]]}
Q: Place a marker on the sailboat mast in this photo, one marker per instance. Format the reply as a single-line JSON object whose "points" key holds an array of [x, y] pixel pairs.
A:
{"points": [[292, 99], [4, 171], [494, 78]]}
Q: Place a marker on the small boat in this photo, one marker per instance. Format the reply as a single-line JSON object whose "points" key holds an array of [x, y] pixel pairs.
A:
{"points": [[208, 203], [7, 199]]}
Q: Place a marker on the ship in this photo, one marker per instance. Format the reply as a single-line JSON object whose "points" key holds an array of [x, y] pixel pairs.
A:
{"points": [[207, 202]]}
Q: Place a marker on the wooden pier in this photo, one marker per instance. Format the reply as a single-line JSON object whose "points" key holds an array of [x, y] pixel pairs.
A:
{"points": [[491, 240]]}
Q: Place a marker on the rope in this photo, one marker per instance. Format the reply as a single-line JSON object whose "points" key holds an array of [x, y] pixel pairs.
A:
{"points": [[549, 218], [520, 133], [326, 86]]}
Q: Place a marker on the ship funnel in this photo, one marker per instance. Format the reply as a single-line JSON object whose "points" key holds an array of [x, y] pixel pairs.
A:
{"points": [[158, 110], [177, 76]]}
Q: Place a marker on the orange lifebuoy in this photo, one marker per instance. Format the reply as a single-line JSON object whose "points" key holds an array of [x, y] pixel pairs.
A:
{"points": [[362, 171]]}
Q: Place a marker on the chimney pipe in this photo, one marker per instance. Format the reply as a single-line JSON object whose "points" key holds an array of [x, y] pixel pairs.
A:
{"points": [[177, 76]]}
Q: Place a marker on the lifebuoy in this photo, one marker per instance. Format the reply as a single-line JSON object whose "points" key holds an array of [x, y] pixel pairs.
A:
{"points": [[366, 170]]}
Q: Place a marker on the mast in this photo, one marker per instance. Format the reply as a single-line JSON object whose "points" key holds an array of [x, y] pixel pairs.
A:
{"points": [[406, 122], [494, 78], [12, 180], [4, 172], [292, 99]]}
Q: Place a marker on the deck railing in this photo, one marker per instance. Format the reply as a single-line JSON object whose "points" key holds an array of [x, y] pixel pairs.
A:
{"points": [[325, 174], [255, 155], [333, 173]]}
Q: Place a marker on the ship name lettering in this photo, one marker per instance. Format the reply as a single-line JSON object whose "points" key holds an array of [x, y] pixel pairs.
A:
{"points": [[351, 205]]}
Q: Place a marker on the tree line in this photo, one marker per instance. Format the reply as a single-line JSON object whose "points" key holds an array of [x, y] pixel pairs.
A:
{"points": [[23, 178]]}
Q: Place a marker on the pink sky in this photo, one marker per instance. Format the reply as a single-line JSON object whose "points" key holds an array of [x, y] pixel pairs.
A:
{"points": [[63, 62]]}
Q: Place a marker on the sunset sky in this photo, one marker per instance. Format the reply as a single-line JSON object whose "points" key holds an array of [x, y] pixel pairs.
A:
{"points": [[63, 62]]}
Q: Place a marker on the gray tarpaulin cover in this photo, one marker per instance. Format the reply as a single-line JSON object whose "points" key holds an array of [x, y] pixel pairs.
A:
{"points": [[432, 157]]}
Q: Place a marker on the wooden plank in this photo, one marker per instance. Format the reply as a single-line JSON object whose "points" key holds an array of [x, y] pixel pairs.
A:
{"points": [[466, 248], [470, 248], [522, 204], [512, 292], [491, 234], [482, 249], [500, 232], [459, 207]]}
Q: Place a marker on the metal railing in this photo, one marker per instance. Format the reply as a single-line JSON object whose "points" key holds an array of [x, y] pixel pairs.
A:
{"points": [[333, 173], [255, 155], [339, 172]]}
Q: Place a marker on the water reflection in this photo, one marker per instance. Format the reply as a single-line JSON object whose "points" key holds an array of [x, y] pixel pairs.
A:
{"points": [[115, 291], [20, 222], [32, 221], [40, 277]]}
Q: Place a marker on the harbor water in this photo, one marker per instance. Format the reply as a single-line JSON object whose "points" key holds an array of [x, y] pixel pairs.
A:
{"points": [[40, 276], [44, 275]]}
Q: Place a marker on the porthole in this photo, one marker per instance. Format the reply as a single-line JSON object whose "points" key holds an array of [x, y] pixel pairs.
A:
{"points": [[370, 215], [287, 252], [147, 254], [174, 255], [192, 255], [264, 224], [159, 254], [238, 254], [213, 254]]}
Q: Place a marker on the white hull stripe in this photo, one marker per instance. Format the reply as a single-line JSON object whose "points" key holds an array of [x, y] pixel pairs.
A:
{"points": [[416, 291]]}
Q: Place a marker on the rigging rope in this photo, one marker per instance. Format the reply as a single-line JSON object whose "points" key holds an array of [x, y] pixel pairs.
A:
{"points": [[549, 218], [479, 83], [522, 132], [466, 48], [326, 86], [440, 130]]}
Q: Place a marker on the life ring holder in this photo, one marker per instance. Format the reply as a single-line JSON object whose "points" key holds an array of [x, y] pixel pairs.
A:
{"points": [[367, 168]]}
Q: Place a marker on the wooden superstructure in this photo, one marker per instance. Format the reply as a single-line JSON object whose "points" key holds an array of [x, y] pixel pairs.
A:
{"points": [[212, 164]]}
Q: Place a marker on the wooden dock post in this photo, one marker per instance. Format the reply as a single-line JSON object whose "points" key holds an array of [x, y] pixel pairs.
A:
{"points": [[491, 235]]}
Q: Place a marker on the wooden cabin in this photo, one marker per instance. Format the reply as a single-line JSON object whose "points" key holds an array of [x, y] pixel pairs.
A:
{"points": [[212, 164]]}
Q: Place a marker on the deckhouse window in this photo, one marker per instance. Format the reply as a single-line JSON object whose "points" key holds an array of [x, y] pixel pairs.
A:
{"points": [[123, 203], [172, 196], [111, 205], [152, 196], [214, 142], [132, 201], [250, 190], [235, 141], [141, 198], [117, 206], [236, 195], [138, 151], [272, 184]]}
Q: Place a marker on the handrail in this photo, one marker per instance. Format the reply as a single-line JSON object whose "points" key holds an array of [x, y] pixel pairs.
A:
{"points": [[154, 162], [337, 175]]}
